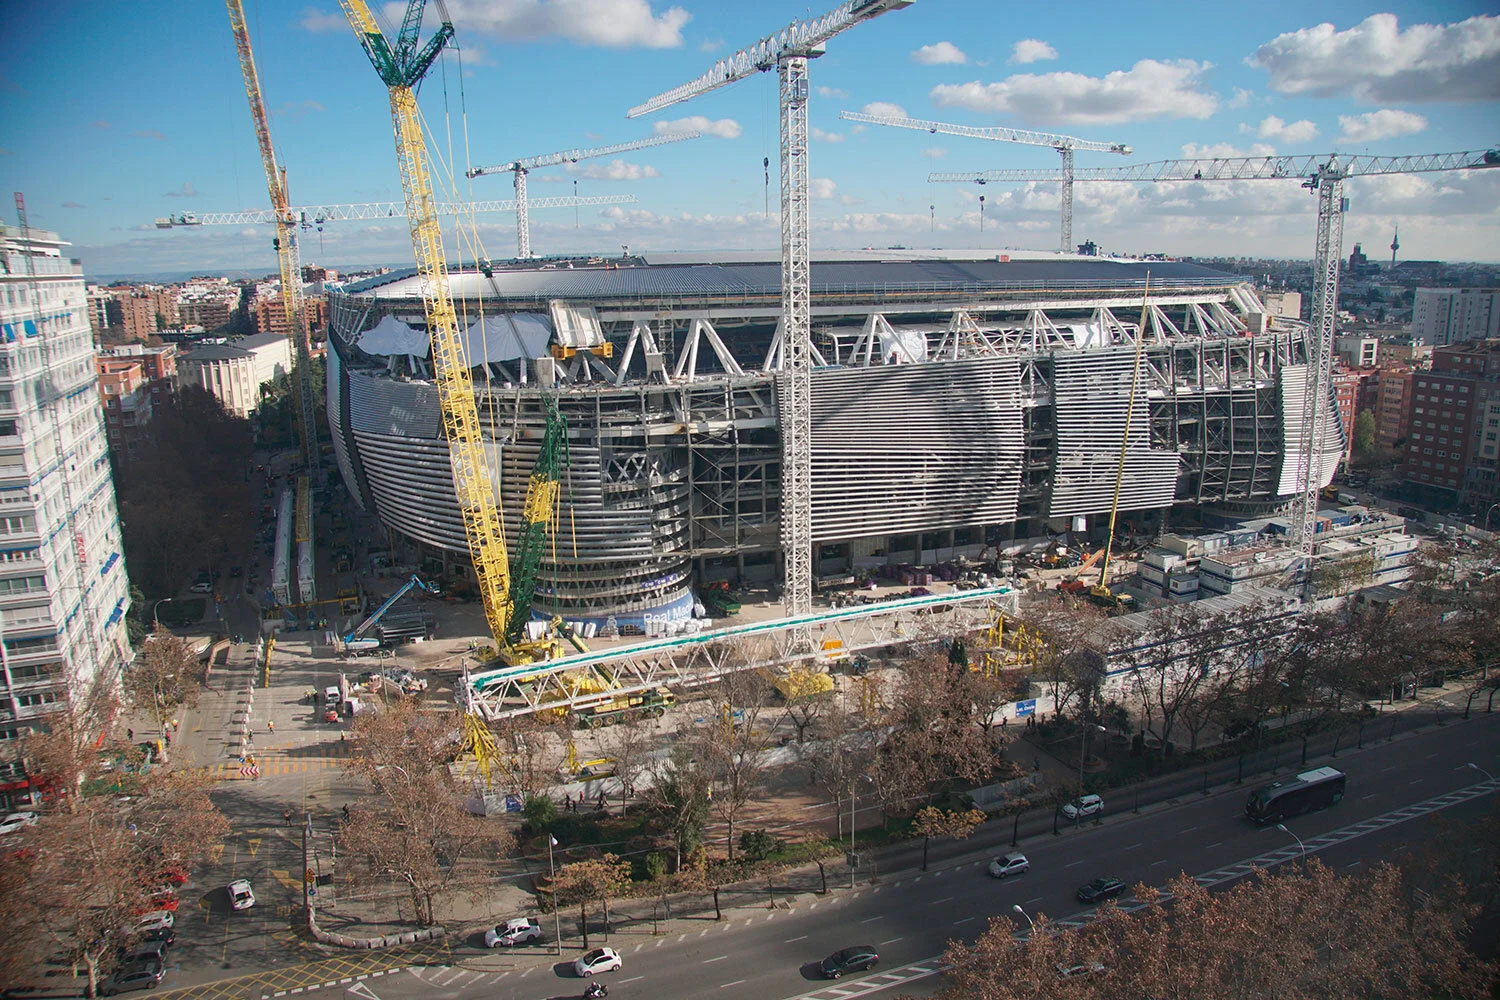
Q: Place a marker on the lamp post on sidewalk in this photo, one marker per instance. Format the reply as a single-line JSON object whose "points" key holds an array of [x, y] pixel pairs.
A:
{"points": [[1300, 846], [1019, 909], [556, 913], [1083, 750], [1480, 770]]}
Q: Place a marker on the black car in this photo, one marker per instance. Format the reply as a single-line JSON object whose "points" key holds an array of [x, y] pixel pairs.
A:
{"points": [[1102, 888], [139, 974], [856, 959], [159, 935]]}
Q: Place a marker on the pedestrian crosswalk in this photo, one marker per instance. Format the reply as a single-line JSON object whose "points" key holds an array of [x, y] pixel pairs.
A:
{"points": [[275, 761]]}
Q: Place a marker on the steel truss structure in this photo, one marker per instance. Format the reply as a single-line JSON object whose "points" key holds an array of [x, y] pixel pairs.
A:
{"points": [[588, 679], [317, 215]]}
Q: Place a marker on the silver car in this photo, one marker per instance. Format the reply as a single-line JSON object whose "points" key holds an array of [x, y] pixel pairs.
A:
{"points": [[1013, 863]]}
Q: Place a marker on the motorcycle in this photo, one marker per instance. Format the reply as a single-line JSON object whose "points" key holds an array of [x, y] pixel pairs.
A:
{"points": [[595, 990]]}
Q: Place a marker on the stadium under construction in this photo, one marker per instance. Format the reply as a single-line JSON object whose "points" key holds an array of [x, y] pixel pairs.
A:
{"points": [[962, 403]]}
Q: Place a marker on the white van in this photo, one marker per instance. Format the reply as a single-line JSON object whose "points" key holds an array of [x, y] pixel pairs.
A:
{"points": [[331, 697]]}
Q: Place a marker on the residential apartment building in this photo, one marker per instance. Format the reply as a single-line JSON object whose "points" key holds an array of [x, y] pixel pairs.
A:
{"points": [[63, 591], [1442, 316], [270, 313], [134, 382], [134, 312], [1451, 406], [209, 304], [233, 372], [1358, 351], [1393, 407]]}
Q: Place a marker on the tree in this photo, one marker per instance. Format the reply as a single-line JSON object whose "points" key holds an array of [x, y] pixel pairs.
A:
{"points": [[419, 833], [164, 678], [1069, 629], [808, 693], [532, 750], [955, 824], [732, 745], [629, 744], [679, 798], [840, 756], [1365, 450], [583, 882], [1292, 934]]}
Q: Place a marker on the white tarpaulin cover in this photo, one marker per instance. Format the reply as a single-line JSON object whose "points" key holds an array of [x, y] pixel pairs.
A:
{"points": [[503, 337]]}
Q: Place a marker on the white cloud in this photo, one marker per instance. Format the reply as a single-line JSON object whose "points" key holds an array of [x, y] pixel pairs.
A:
{"points": [[821, 187], [941, 53], [608, 23], [832, 92], [186, 191], [1149, 89], [317, 20], [722, 128], [1387, 123], [1193, 151], [822, 136], [710, 45], [934, 152], [1272, 127], [885, 110], [1375, 61], [1030, 50], [1241, 98], [614, 170]]}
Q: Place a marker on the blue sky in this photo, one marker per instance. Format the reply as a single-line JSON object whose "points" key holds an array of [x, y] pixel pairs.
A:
{"points": [[110, 117]]}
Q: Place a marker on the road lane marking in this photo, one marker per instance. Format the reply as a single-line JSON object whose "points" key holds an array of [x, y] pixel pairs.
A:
{"points": [[1370, 796], [945, 899], [799, 937], [1132, 847], [1030, 901], [963, 921], [1073, 864], [871, 920], [1217, 843], [1161, 862], [716, 958], [890, 941], [725, 986], [1188, 829], [630, 980]]}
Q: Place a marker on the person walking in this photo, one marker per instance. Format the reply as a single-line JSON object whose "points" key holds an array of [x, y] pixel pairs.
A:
{"points": [[286, 816], [270, 726], [130, 736]]}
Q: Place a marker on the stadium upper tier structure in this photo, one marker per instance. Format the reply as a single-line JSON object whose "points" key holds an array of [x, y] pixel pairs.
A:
{"points": [[959, 404]]}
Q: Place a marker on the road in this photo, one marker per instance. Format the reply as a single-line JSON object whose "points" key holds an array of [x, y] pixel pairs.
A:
{"points": [[772, 952]]}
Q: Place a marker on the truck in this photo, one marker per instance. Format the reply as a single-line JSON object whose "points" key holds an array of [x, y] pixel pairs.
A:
{"points": [[621, 707]]}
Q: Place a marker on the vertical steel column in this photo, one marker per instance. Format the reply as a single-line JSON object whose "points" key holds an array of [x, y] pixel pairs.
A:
{"points": [[1067, 199], [1326, 259], [796, 370], [523, 222]]}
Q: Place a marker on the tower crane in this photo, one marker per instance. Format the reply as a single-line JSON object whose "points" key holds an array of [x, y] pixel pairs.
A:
{"points": [[308, 216], [1323, 174], [788, 50], [400, 67], [520, 168], [1066, 146], [286, 245]]}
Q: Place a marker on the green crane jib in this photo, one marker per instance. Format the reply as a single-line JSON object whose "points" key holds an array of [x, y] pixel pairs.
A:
{"points": [[538, 520]]}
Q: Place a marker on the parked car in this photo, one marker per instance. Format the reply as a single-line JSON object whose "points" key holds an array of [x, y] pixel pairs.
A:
{"points": [[202, 584], [17, 821], [858, 958], [146, 949], [1086, 969], [163, 899], [172, 874], [241, 897], [164, 935], [1102, 888], [1088, 805], [518, 930], [155, 920], [1013, 863], [597, 961], [141, 974]]}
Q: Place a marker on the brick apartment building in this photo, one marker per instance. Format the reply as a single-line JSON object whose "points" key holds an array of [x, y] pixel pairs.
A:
{"points": [[270, 314], [134, 381], [1455, 422], [1393, 407]]}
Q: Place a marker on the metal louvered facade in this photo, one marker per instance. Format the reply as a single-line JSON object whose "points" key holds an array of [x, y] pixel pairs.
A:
{"points": [[957, 405]]}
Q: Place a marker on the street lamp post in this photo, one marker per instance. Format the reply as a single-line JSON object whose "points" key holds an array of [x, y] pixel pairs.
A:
{"points": [[556, 913], [1019, 909], [1488, 514], [1083, 751], [853, 790], [1480, 770], [1300, 846]]}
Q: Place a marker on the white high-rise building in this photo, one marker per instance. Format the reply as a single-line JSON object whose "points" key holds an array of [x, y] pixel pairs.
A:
{"points": [[1443, 316], [63, 590]]}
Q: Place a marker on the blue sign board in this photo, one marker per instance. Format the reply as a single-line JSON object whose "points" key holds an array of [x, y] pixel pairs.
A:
{"points": [[1025, 708], [512, 803]]}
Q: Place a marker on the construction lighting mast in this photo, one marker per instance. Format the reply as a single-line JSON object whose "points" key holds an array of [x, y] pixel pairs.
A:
{"points": [[788, 50], [400, 67], [1324, 175], [520, 168], [286, 246], [1066, 146], [308, 216]]}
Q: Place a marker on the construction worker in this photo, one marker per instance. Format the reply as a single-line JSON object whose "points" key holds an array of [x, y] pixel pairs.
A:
{"points": [[270, 726]]}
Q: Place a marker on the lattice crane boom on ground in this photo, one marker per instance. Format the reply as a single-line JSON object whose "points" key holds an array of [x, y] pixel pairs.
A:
{"points": [[400, 68], [520, 168], [538, 520], [1066, 146], [788, 51], [308, 216], [1323, 174], [286, 245]]}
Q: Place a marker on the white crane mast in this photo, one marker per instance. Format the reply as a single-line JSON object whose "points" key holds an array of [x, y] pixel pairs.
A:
{"points": [[316, 215], [1323, 174], [520, 168], [788, 51], [1066, 146]]}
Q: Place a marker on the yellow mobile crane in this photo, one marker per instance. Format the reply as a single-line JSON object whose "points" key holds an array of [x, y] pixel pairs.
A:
{"points": [[303, 392]]}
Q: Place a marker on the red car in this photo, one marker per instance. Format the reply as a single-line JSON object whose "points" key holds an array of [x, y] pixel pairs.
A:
{"points": [[164, 899], [173, 874]]}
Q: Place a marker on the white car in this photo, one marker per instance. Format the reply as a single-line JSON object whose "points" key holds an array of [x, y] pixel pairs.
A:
{"points": [[518, 930], [156, 920], [240, 895], [1088, 805], [1013, 863], [16, 821], [597, 961]]}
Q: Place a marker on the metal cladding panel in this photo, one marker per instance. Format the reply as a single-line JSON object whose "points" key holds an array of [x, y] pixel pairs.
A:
{"points": [[335, 396], [907, 448], [391, 406], [1091, 391], [1326, 460]]}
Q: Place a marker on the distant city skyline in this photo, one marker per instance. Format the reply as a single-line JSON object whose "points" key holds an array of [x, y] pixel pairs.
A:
{"points": [[119, 119]]}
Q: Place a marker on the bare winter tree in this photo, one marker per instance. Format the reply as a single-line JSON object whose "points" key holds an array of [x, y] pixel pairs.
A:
{"points": [[164, 678], [593, 880], [732, 744]]}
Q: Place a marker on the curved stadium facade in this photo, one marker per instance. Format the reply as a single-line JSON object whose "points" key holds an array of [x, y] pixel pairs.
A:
{"points": [[958, 405]]}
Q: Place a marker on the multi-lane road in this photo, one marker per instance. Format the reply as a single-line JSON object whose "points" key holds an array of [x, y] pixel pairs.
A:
{"points": [[759, 953]]}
